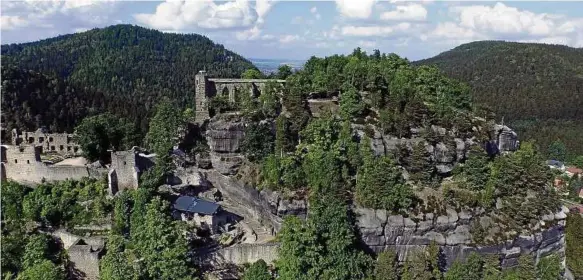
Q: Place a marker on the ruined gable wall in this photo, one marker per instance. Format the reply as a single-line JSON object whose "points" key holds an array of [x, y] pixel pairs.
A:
{"points": [[61, 143], [23, 165], [124, 165], [85, 259]]}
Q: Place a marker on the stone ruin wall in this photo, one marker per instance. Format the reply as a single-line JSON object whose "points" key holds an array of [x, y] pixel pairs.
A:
{"points": [[241, 254], [123, 173], [23, 164], [206, 87], [60, 143]]}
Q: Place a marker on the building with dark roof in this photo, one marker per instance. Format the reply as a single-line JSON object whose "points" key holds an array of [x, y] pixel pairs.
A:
{"points": [[196, 205], [203, 213]]}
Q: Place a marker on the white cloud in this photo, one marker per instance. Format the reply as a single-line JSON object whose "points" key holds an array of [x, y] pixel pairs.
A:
{"points": [[478, 22], [60, 16], [372, 31], [314, 11], [12, 22], [288, 38], [262, 7], [503, 19], [367, 44], [249, 34], [450, 30], [355, 8], [408, 12], [186, 15]]}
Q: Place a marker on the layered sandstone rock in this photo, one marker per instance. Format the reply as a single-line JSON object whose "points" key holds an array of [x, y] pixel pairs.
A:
{"points": [[381, 231], [224, 136]]}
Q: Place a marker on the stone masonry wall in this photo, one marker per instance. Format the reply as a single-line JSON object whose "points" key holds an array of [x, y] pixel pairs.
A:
{"points": [[60, 143], [123, 169], [241, 254], [23, 164]]}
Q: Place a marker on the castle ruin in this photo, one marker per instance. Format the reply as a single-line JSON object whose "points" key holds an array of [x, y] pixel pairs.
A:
{"points": [[59, 143], [24, 165], [126, 168], [206, 88]]}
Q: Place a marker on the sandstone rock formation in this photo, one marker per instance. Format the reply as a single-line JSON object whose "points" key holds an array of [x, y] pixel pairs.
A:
{"points": [[381, 231], [224, 136]]}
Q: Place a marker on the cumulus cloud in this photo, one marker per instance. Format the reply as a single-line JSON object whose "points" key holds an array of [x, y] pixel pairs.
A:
{"points": [[377, 30], [60, 16], [499, 21], [409, 12], [355, 8], [187, 15], [504, 19], [12, 22]]}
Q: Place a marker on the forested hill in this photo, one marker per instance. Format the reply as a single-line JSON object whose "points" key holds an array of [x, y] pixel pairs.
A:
{"points": [[134, 64], [537, 88]]}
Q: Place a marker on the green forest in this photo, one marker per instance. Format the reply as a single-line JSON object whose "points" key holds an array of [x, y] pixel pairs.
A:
{"points": [[536, 88], [134, 86], [121, 69]]}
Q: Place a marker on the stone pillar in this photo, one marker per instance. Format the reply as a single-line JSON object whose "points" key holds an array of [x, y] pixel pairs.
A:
{"points": [[201, 97]]}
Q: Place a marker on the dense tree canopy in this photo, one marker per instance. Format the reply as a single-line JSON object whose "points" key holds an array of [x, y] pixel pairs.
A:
{"points": [[98, 134], [536, 88], [125, 71]]}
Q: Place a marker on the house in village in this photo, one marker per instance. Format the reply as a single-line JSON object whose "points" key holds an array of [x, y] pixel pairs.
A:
{"points": [[203, 213], [572, 171], [555, 164]]}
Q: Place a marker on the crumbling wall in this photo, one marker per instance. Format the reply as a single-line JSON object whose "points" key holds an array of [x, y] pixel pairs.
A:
{"points": [[240, 254], [123, 163], [23, 164], [60, 143], [85, 261]]}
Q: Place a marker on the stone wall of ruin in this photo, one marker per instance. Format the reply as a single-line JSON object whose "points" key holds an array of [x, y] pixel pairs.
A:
{"points": [[23, 164], [60, 143]]}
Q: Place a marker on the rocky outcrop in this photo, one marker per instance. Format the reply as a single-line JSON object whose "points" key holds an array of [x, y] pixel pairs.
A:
{"points": [[284, 206], [224, 136], [255, 206], [451, 231], [448, 149], [506, 138]]}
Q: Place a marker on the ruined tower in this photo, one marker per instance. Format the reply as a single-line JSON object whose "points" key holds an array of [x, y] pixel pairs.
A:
{"points": [[201, 97]]}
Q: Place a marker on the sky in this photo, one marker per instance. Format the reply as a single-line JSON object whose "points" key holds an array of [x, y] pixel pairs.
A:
{"points": [[299, 29]]}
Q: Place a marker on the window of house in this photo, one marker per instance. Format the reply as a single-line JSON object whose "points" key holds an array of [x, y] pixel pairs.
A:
{"points": [[75, 149], [51, 139], [15, 161], [27, 161], [69, 148], [61, 147], [52, 148], [124, 163], [68, 139], [30, 140], [41, 139]]}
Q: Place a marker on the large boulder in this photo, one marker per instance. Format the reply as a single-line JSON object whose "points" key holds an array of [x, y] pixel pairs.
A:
{"points": [[225, 133]]}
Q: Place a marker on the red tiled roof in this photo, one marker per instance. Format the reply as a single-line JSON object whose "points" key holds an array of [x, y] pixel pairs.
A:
{"points": [[574, 170]]}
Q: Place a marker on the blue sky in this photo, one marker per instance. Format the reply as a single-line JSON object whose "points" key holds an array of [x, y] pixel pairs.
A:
{"points": [[297, 30]]}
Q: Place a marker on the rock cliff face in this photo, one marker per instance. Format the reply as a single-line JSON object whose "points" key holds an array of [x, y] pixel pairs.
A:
{"points": [[224, 135], [381, 231], [443, 154]]}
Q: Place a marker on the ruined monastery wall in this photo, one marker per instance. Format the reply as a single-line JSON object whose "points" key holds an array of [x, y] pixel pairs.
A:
{"points": [[23, 164]]}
